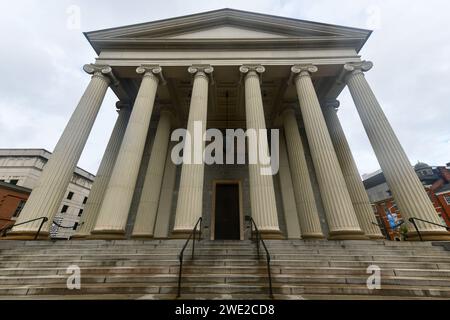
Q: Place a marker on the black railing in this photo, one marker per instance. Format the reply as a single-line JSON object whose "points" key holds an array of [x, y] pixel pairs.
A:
{"points": [[68, 227], [413, 221], [44, 220], [180, 256], [258, 240]]}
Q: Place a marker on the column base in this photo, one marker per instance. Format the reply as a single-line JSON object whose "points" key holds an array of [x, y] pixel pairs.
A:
{"points": [[142, 236], [429, 236], [313, 236], [347, 235], [182, 234], [26, 235], [107, 235], [272, 235], [79, 236], [375, 236]]}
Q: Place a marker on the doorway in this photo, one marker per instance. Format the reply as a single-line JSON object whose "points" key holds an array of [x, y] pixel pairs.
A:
{"points": [[226, 222]]}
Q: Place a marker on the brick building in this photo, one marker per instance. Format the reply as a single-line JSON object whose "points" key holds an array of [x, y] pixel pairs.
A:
{"points": [[436, 181]]}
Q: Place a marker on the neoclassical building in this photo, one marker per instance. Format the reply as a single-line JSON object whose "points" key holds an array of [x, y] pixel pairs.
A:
{"points": [[229, 69]]}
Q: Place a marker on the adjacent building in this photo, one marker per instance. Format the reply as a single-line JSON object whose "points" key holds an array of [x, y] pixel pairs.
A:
{"points": [[20, 170], [436, 183]]}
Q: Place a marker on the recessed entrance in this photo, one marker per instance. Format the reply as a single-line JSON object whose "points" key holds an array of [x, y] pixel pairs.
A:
{"points": [[227, 218]]}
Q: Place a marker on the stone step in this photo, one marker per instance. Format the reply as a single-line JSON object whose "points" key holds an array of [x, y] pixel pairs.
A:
{"points": [[180, 243], [206, 250], [243, 279], [202, 255], [189, 269], [210, 296], [205, 288], [223, 262]]}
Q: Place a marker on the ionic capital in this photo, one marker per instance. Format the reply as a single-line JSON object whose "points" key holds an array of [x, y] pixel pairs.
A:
{"points": [[354, 68], [249, 70], [303, 70], [202, 70], [123, 105], [331, 104], [246, 68], [151, 70], [101, 71]]}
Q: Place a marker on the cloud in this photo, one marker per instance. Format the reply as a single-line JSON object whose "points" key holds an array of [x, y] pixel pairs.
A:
{"points": [[42, 58]]}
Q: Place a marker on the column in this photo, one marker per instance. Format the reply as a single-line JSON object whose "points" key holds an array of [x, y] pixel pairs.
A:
{"points": [[165, 200], [148, 203], [358, 194], [408, 192], [104, 171], [262, 194], [46, 197], [287, 194], [190, 192], [113, 214], [303, 191], [341, 217]]}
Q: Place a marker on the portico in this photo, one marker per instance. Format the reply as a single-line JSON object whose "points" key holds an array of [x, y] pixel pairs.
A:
{"points": [[229, 69]]}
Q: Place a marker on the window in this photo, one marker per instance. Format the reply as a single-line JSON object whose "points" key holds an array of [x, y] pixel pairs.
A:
{"points": [[447, 199], [19, 208], [80, 212], [84, 200], [13, 181], [64, 208], [75, 226], [70, 195]]}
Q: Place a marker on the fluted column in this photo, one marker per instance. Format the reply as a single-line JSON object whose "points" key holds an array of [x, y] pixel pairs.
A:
{"points": [[262, 194], [303, 191], [408, 192], [46, 197], [358, 194], [148, 204], [287, 194], [190, 192], [113, 214], [104, 171], [341, 217], [165, 200]]}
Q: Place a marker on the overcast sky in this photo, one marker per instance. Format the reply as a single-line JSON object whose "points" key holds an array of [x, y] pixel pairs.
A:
{"points": [[43, 50]]}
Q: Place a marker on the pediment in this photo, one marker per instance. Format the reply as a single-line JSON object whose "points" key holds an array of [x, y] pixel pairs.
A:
{"points": [[225, 26], [226, 32]]}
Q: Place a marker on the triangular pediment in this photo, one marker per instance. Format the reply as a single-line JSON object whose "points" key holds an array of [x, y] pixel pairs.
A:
{"points": [[222, 27], [226, 32]]}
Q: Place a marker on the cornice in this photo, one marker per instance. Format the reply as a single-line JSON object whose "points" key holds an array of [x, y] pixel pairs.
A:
{"points": [[296, 32]]}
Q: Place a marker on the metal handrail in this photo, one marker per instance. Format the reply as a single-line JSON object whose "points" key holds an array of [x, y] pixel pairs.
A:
{"points": [[180, 256], [260, 239], [413, 221], [44, 220], [66, 227]]}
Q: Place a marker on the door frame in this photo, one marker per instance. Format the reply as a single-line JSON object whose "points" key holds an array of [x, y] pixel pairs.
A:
{"points": [[241, 208]]}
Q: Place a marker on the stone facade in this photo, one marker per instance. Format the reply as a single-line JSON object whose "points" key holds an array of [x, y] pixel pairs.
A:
{"points": [[230, 69]]}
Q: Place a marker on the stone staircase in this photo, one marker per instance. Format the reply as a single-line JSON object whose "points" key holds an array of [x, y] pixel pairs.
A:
{"points": [[148, 269]]}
